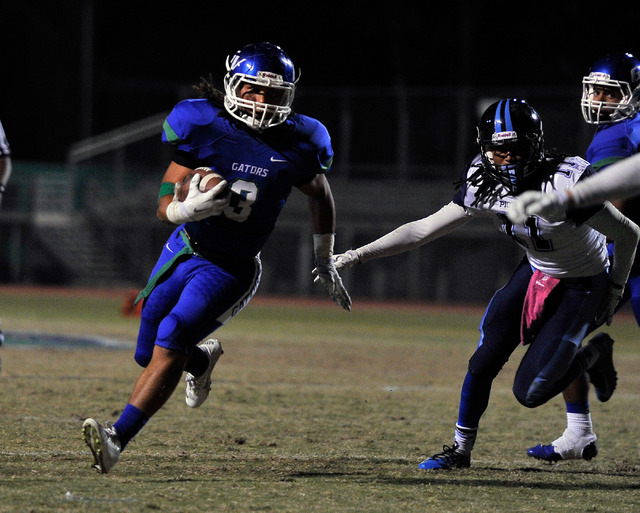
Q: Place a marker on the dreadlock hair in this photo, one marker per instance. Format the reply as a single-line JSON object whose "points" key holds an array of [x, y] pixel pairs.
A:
{"points": [[489, 190], [206, 89]]}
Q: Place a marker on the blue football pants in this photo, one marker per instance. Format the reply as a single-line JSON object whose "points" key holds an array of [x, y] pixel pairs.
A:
{"points": [[191, 300]]}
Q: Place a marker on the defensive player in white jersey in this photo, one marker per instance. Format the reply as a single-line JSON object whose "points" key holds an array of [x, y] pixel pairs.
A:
{"points": [[610, 98], [555, 293]]}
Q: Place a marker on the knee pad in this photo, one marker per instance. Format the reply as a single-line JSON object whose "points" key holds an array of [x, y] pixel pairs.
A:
{"points": [[168, 331]]}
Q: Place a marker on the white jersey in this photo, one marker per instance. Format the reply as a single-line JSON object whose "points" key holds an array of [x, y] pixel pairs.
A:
{"points": [[565, 248]]}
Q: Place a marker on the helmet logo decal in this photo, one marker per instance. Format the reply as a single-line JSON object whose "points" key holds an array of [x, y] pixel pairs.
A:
{"points": [[236, 61], [499, 137], [270, 76], [599, 77]]}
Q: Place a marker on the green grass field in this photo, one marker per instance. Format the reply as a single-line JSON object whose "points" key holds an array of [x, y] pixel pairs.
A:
{"points": [[313, 409]]}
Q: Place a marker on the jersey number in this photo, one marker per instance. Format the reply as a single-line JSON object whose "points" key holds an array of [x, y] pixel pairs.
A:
{"points": [[532, 233], [245, 194]]}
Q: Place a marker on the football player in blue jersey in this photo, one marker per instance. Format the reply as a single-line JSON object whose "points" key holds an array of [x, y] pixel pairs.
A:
{"points": [[610, 101], [555, 293], [210, 267]]}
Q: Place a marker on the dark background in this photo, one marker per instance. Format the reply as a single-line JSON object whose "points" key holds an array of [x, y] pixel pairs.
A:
{"points": [[71, 69]]}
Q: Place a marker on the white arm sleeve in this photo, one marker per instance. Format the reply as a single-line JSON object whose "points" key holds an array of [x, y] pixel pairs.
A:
{"points": [[416, 233], [625, 235], [618, 181]]}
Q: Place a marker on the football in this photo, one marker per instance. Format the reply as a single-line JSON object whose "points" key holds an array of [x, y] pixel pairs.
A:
{"points": [[209, 179]]}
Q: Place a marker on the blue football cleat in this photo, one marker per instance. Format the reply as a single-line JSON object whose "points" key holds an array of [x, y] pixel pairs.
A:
{"points": [[569, 446], [544, 452], [447, 459]]}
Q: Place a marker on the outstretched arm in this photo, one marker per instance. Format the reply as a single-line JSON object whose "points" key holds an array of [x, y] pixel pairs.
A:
{"points": [[408, 236]]}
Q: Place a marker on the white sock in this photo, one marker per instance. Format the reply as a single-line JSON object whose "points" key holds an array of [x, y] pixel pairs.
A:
{"points": [[465, 438], [580, 424]]}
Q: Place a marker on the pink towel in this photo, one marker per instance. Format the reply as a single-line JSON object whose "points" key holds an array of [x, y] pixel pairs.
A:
{"points": [[535, 305]]}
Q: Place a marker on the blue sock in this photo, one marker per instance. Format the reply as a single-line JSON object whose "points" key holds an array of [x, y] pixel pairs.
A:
{"points": [[130, 422], [579, 407], [474, 399]]}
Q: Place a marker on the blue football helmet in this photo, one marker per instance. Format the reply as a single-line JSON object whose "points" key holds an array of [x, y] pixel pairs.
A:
{"points": [[618, 71], [267, 66], [511, 126]]}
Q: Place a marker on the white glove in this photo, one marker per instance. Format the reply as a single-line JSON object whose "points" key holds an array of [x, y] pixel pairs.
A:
{"points": [[536, 203], [326, 272], [198, 205], [347, 259], [608, 304]]}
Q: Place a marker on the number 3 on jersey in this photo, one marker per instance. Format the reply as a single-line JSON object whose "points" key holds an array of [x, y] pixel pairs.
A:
{"points": [[244, 195]]}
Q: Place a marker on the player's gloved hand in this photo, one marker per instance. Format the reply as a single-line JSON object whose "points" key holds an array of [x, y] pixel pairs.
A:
{"points": [[535, 203], [326, 272], [347, 259], [198, 205], [608, 304]]}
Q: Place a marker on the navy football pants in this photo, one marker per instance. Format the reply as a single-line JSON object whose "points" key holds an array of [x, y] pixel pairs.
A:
{"points": [[549, 363]]}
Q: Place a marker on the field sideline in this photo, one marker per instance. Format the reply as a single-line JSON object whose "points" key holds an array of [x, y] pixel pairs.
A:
{"points": [[313, 409]]}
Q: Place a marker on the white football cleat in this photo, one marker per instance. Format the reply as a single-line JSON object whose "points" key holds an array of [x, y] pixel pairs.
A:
{"points": [[198, 388], [104, 445]]}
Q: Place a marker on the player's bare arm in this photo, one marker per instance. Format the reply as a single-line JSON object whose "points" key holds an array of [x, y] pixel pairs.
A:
{"points": [[321, 204]]}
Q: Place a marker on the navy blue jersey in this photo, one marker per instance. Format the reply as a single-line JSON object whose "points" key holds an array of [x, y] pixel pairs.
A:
{"points": [[260, 167]]}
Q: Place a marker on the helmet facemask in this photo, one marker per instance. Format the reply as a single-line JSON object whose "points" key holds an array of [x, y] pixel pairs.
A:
{"points": [[255, 114], [599, 112], [525, 159]]}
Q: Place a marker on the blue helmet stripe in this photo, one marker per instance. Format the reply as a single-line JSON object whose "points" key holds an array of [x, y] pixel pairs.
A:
{"points": [[507, 111], [503, 117]]}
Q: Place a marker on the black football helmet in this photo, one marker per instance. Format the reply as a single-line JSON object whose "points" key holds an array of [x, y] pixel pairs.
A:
{"points": [[511, 126]]}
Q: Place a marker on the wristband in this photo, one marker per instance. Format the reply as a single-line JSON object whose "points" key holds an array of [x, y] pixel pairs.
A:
{"points": [[323, 244], [177, 213], [166, 188]]}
